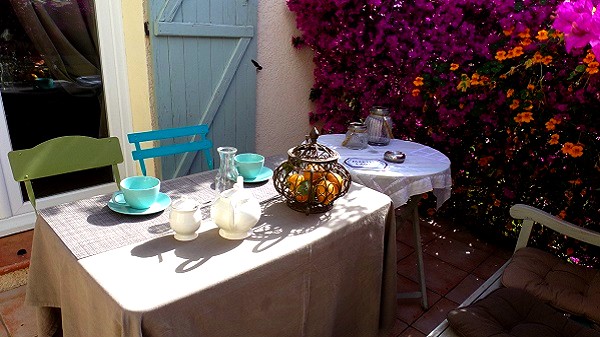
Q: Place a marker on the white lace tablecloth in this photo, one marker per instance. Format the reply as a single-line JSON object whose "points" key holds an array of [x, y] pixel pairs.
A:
{"points": [[424, 169]]}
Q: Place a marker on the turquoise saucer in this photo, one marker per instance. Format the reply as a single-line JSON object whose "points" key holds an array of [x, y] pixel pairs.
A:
{"points": [[264, 175], [162, 202]]}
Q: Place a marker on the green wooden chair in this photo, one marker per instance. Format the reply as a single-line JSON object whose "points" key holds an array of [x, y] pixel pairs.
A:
{"points": [[198, 142], [64, 155]]}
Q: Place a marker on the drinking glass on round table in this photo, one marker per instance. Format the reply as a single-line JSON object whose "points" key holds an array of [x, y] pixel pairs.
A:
{"points": [[424, 169]]}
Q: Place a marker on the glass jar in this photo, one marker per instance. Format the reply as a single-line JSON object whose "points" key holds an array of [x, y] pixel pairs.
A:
{"points": [[356, 137], [227, 174], [379, 126]]}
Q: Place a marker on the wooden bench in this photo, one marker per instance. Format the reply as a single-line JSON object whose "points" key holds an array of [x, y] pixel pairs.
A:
{"points": [[529, 215]]}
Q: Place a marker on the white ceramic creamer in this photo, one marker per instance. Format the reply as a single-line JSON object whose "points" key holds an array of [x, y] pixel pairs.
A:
{"points": [[185, 219], [235, 212]]}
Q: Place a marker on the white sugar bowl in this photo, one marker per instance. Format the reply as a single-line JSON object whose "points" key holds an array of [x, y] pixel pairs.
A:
{"points": [[185, 219]]}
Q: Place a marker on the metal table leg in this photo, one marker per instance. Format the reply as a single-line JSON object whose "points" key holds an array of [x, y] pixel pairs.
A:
{"points": [[411, 211]]}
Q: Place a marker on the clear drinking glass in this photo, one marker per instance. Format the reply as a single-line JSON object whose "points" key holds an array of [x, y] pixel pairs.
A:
{"points": [[227, 174]]}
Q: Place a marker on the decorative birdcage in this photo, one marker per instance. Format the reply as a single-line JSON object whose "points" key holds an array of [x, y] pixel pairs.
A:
{"points": [[311, 179]]}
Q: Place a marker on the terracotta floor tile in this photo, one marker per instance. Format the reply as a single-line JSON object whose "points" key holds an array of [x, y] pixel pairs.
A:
{"points": [[504, 252], [403, 250], [457, 253], [462, 234], [465, 288], [406, 236], [18, 318], [411, 332], [434, 316], [399, 326], [16, 250], [440, 276], [410, 309], [488, 267], [440, 225]]}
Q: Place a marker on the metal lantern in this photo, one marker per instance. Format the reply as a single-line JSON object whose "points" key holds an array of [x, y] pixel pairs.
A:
{"points": [[311, 179]]}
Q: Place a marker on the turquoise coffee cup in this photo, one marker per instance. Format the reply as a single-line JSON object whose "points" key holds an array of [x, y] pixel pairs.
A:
{"points": [[249, 165], [138, 192]]}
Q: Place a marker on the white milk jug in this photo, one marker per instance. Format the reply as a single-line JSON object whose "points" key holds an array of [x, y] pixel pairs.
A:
{"points": [[185, 219]]}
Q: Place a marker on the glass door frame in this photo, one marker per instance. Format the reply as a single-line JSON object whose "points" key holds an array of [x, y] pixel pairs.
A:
{"points": [[16, 215]]}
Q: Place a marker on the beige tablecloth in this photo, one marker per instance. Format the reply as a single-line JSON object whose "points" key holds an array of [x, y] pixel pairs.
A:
{"points": [[329, 274]]}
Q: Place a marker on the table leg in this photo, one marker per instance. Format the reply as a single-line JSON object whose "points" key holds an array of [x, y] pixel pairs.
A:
{"points": [[411, 211]]}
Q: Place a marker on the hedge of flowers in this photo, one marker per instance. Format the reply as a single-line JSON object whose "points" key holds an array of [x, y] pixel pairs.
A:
{"points": [[488, 82]]}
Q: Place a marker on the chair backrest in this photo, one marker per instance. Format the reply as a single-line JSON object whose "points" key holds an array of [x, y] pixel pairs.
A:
{"points": [[64, 155], [531, 215], [197, 143]]}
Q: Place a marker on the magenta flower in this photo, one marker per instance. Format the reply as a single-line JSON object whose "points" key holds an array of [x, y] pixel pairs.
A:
{"points": [[581, 26]]}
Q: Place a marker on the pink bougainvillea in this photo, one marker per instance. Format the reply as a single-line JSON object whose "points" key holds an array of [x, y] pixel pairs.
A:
{"points": [[488, 82]]}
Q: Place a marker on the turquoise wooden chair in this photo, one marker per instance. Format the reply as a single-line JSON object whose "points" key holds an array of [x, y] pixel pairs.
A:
{"points": [[64, 155], [198, 142]]}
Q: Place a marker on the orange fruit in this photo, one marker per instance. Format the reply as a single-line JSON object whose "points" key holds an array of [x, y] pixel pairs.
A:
{"points": [[294, 180], [326, 191], [336, 179], [300, 191], [315, 170]]}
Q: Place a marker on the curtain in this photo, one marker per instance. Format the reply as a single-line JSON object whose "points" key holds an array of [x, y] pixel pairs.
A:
{"points": [[64, 32]]}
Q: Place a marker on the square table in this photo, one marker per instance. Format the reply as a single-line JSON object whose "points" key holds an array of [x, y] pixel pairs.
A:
{"points": [[95, 272]]}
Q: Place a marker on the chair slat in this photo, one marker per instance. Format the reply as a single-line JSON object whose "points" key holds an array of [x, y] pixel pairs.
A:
{"points": [[196, 143]]}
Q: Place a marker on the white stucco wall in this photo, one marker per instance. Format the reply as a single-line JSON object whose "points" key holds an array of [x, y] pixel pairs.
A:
{"points": [[284, 83]]}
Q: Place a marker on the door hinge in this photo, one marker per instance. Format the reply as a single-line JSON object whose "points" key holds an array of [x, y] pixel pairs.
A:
{"points": [[146, 29]]}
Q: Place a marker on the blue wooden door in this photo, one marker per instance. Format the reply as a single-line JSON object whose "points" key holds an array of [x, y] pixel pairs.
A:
{"points": [[202, 52]]}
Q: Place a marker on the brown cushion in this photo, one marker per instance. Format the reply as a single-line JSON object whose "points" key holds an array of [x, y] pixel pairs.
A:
{"points": [[568, 287], [513, 312]]}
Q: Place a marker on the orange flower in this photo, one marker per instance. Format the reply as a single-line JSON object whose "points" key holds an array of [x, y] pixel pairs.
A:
{"points": [[589, 58], [453, 66], [416, 92], [500, 55], [530, 87], [550, 125], [418, 81], [524, 117], [524, 34], [567, 147], [537, 57], [542, 35], [547, 60], [526, 42], [592, 68], [475, 79], [510, 92], [509, 31], [576, 181], [518, 51], [515, 104], [576, 151], [562, 214], [554, 139]]}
